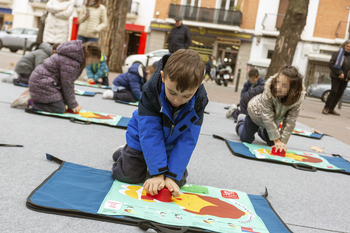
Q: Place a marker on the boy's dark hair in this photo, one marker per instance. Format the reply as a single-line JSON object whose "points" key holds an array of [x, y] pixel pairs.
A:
{"points": [[151, 68], [91, 49], [54, 46], [253, 72], [186, 67], [295, 85]]}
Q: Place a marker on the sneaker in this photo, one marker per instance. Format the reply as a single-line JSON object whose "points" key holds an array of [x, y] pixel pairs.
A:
{"points": [[334, 112], [241, 117], [232, 108], [108, 94], [325, 111], [10, 78], [117, 153], [22, 100]]}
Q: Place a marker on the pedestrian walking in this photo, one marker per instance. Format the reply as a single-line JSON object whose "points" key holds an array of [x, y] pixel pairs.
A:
{"points": [[340, 75], [57, 21], [180, 36], [92, 20]]}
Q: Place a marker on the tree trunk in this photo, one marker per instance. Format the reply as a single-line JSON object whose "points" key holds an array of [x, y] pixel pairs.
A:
{"points": [[111, 40], [39, 37], [287, 41]]}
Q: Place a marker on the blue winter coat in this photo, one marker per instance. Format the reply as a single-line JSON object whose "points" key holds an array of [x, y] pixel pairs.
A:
{"points": [[247, 86], [167, 144], [100, 70], [131, 80]]}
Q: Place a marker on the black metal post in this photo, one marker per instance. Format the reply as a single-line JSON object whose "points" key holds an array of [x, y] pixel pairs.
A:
{"points": [[237, 81], [25, 46], [147, 60]]}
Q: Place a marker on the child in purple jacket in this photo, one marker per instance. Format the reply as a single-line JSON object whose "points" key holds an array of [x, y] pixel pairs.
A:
{"points": [[51, 85]]}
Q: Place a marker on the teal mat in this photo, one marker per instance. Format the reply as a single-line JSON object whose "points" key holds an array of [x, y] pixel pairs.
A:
{"points": [[91, 85]]}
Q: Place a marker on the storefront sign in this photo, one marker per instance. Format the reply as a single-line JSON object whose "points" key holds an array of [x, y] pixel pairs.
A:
{"points": [[205, 31]]}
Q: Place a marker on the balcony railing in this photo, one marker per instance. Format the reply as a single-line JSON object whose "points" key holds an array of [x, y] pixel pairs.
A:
{"points": [[207, 15]]}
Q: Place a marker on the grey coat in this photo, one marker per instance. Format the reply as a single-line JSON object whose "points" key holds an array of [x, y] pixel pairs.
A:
{"points": [[53, 80], [28, 62], [268, 112]]}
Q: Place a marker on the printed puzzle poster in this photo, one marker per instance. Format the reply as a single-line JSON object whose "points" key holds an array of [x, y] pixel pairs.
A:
{"points": [[203, 207], [84, 115], [298, 157]]}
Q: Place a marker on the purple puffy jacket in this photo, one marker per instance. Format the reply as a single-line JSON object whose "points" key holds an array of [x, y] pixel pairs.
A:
{"points": [[53, 80]]}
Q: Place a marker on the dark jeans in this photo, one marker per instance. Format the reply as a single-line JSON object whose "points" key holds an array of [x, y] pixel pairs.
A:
{"points": [[337, 90], [55, 107], [104, 81], [124, 95], [246, 130], [87, 39], [208, 72], [131, 167], [22, 78]]}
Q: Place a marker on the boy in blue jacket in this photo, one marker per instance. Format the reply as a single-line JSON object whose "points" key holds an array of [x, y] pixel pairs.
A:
{"points": [[163, 132], [128, 86], [98, 71]]}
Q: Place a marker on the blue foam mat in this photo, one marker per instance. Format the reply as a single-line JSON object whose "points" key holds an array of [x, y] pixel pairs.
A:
{"points": [[72, 186], [241, 149]]}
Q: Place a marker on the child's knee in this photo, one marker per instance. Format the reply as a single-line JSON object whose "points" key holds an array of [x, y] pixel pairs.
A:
{"points": [[127, 176]]}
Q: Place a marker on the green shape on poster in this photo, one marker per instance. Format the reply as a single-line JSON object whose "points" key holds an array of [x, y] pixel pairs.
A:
{"points": [[195, 189]]}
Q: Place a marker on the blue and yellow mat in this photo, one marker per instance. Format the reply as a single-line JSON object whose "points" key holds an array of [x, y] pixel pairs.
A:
{"points": [[79, 191], [88, 117], [298, 159]]}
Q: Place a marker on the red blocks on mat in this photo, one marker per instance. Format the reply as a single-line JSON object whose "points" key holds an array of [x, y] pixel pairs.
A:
{"points": [[92, 83], [278, 153], [163, 195]]}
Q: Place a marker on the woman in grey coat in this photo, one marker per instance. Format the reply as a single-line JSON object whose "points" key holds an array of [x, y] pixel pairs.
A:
{"points": [[280, 102]]}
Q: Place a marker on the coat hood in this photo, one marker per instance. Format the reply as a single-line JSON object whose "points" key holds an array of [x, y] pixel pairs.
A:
{"points": [[137, 70], [72, 49], [46, 47]]}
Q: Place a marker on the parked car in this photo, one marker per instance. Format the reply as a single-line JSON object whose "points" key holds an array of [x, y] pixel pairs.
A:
{"points": [[322, 91], [142, 58], [14, 38]]}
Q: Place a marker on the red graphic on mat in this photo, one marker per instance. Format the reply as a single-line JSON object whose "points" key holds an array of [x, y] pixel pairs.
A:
{"points": [[216, 208], [229, 194], [246, 229]]}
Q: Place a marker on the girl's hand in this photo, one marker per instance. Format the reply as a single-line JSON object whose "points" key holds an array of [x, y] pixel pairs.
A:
{"points": [[77, 108], [100, 80], [279, 145], [153, 185], [172, 186], [341, 76]]}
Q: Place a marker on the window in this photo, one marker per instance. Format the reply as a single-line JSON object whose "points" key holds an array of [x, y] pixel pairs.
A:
{"points": [[16, 31], [269, 54], [30, 32], [227, 4], [160, 53]]}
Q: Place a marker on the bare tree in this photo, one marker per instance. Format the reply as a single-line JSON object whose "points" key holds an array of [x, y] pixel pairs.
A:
{"points": [[287, 41], [111, 40]]}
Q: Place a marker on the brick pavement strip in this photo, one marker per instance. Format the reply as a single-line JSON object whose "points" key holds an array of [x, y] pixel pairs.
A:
{"points": [[310, 114]]}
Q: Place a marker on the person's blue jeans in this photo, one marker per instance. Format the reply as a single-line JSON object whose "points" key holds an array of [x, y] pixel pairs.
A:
{"points": [[246, 130], [87, 39]]}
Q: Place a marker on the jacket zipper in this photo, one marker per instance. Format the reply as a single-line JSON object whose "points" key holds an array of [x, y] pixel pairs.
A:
{"points": [[172, 129]]}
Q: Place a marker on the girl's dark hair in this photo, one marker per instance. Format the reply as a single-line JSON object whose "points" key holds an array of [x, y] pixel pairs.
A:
{"points": [[91, 49], [97, 3], [295, 85]]}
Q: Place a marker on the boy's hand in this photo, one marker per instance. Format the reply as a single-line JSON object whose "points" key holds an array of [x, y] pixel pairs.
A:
{"points": [[279, 145], [153, 185], [100, 80], [91, 80], [172, 186], [77, 108]]}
